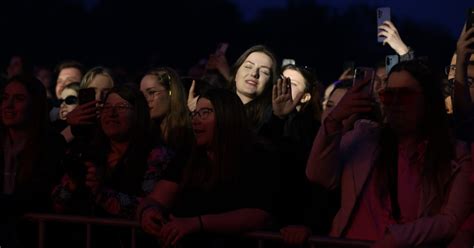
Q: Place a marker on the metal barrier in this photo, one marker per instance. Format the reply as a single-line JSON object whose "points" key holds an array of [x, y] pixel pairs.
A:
{"points": [[260, 236]]}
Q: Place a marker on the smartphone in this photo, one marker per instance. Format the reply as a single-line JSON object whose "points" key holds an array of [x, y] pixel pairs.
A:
{"points": [[383, 14], [222, 48], [391, 61], [363, 75], [288, 62], [86, 95]]}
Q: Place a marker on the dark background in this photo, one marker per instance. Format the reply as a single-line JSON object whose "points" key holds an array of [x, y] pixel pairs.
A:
{"points": [[134, 34]]}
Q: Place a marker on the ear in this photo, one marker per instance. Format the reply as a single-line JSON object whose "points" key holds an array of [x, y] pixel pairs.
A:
{"points": [[306, 97]]}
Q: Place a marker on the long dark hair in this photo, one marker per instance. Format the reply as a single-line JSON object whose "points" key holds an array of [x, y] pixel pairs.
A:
{"points": [[231, 136], [313, 87], [256, 108], [434, 128], [37, 127], [131, 168]]}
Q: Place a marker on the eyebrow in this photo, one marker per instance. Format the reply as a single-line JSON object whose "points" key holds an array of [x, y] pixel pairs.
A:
{"points": [[248, 61]]}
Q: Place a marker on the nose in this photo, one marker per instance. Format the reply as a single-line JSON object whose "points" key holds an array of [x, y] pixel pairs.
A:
{"points": [[255, 73]]}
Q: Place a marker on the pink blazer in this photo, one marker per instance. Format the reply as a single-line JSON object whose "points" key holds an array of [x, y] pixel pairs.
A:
{"points": [[346, 160]]}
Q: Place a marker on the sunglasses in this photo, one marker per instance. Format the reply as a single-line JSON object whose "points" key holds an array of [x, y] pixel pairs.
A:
{"points": [[70, 100], [400, 95]]}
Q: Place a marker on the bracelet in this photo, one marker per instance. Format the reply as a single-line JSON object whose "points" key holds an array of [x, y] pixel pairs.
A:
{"points": [[201, 226]]}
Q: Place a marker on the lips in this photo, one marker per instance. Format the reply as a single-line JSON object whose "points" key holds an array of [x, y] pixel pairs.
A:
{"points": [[253, 83]]}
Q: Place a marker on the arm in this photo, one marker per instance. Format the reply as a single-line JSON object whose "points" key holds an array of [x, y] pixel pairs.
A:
{"points": [[446, 222], [323, 164]]}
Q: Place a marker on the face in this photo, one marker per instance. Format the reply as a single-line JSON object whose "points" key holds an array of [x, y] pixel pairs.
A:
{"points": [[333, 100], [101, 84], [253, 75], [470, 72], [298, 83], [15, 66], [68, 101], [16, 106], [44, 76], [403, 102], [65, 77], [204, 122], [157, 96], [116, 117]]}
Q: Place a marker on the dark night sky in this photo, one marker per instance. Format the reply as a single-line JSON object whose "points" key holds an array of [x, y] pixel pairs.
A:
{"points": [[449, 14]]}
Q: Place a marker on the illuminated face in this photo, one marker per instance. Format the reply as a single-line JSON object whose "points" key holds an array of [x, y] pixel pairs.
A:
{"points": [[253, 75], [298, 84], [204, 122], [470, 72], [65, 77], [16, 105], [68, 101], [101, 84], [116, 117], [158, 98]]}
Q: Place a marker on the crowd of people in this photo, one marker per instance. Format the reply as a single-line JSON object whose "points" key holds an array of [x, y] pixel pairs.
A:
{"points": [[380, 154]]}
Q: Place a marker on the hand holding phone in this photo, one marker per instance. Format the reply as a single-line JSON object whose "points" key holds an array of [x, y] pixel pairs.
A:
{"points": [[364, 75], [383, 14], [86, 95], [390, 62]]}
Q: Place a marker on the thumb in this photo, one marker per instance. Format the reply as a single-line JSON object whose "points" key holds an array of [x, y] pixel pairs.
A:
{"points": [[191, 89]]}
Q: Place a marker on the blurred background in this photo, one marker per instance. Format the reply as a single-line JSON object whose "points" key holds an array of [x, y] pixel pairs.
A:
{"points": [[132, 34]]}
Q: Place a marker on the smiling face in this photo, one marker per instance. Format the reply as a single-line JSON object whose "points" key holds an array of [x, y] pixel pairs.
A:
{"points": [[157, 96], [253, 75], [204, 122], [116, 117], [16, 105]]}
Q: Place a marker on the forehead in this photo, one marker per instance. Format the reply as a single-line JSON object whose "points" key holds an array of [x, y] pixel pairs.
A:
{"points": [[453, 59], [115, 98], [260, 58], [16, 88], [203, 103], [68, 92], [70, 72], [402, 79], [101, 80], [294, 75], [149, 81]]}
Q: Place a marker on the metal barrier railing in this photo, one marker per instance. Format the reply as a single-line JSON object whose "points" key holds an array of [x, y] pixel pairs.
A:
{"points": [[260, 236]]}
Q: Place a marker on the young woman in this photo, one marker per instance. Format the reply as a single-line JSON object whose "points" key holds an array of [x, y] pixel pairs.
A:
{"points": [[220, 190], [403, 183]]}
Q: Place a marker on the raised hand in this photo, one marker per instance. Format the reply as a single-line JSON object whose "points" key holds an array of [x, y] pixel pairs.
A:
{"points": [[392, 37], [353, 102], [83, 114], [282, 103], [192, 97]]}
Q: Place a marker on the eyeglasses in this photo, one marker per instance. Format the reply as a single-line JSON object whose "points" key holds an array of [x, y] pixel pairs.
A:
{"points": [[69, 100], [202, 113], [448, 68], [399, 95], [469, 82], [119, 108], [150, 94]]}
